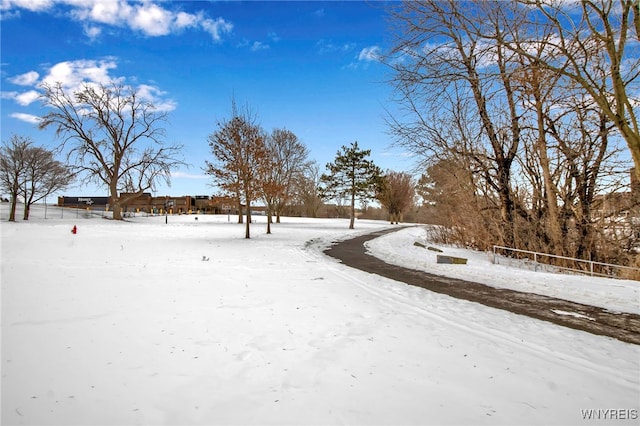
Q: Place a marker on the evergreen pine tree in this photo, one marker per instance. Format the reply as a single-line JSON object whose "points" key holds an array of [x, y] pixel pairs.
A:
{"points": [[351, 176]]}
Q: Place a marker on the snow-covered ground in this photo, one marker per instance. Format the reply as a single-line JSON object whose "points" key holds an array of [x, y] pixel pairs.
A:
{"points": [[142, 322], [398, 248]]}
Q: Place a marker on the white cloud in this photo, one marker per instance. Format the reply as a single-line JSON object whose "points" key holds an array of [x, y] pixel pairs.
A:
{"points": [[26, 79], [151, 18], [366, 55], [27, 98], [110, 12], [328, 46], [92, 31], [32, 5], [153, 95], [346, 47], [29, 118], [71, 74], [187, 20], [274, 36], [8, 95], [216, 27], [258, 45], [24, 98], [371, 53]]}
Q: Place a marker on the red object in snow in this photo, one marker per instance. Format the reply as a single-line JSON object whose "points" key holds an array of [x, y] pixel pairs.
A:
{"points": [[74, 229]]}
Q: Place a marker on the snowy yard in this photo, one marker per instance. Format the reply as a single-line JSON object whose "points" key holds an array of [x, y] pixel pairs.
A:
{"points": [[188, 323]]}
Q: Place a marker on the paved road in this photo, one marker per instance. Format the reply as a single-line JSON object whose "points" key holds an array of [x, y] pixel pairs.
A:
{"points": [[619, 325]]}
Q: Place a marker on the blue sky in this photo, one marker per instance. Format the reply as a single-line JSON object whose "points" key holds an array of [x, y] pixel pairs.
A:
{"points": [[311, 67]]}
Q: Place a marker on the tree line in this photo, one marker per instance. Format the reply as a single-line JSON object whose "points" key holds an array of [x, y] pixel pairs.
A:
{"points": [[113, 137], [251, 165], [522, 114], [31, 173]]}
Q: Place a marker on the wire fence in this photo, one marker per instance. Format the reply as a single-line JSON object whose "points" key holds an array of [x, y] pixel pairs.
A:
{"points": [[555, 263]]}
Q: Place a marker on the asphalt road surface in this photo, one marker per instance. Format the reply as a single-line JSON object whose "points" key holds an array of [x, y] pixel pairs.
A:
{"points": [[619, 325]]}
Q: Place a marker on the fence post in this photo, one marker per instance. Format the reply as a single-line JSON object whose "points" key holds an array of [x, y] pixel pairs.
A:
{"points": [[535, 262]]}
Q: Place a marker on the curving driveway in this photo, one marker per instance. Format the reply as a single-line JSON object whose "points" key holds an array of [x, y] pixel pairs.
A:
{"points": [[619, 325]]}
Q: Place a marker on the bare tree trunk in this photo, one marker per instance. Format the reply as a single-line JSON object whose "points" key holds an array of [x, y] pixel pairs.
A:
{"points": [[14, 202], [27, 208], [240, 213], [115, 203], [15, 190], [247, 228], [352, 210], [555, 232], [268, 220]]}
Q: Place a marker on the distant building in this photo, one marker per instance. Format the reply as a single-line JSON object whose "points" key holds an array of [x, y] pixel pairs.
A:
{"points": [[216, 205], [93, 203], [146, 203]]}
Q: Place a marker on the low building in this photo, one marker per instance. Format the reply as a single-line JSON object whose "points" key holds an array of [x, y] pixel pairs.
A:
{"points": [[145, 203], [216, 204], [93, 203]]}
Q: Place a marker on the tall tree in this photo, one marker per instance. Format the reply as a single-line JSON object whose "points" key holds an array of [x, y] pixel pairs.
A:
{"points": [[446, 73], [396, 194], [271, 184], [306, 189], [114, 138], [290, 157], [240, 159], [12, 166], [225, 147], [352, 176], [600, 35], [43, 175], [286, 158], [30, 172]]}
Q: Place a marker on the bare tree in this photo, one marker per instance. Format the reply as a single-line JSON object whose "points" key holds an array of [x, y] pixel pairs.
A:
{"points": [[588, 168], [600, 32], [567, 149], [114, 138], [30, 172], [286, 157], [225, 146], [291, 157], [306, 189], [43, 175], [446, 73], [492, 108], [12, 165], [271, 185], [396, 194], [240, 159]]}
